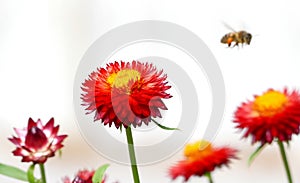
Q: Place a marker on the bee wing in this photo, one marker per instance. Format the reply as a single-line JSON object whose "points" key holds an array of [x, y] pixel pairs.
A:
{"points": [[228, 26]]}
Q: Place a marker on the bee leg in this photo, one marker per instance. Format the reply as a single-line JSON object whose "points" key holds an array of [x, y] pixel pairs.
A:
{"points": [[229, 44]]}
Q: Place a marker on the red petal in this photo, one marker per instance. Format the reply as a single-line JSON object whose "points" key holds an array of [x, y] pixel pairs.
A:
{"points": [[31, 123], [16, 141], [35, 138], [49, 126]]}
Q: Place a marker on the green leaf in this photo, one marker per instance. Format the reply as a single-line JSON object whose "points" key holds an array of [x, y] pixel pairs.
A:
{"points": [[13, 172], [30, 174], [255, 153], [99, 174], [164, 127], [59, 153], [121, 128]]}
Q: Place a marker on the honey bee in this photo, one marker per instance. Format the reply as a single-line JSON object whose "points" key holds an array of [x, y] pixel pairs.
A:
{"points": [[239, 37]]}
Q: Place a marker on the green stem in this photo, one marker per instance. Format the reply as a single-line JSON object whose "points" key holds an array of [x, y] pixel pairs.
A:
{"points": [[134, 169], [286, 164], [208, 175], [43, 174]]}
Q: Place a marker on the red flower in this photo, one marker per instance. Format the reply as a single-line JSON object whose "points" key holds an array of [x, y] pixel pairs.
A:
{"points": [[125, 93], [37, 142], [274, 114], [83, 176], [201, 158]]}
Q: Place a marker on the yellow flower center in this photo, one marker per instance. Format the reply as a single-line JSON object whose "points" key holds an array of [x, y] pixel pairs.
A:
{"points": [[270, 103], [197, 150], [121, 78]]}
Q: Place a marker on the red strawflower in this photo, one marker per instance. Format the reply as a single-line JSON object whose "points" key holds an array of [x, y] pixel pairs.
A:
{"points": [[37, 142], [82, 176], [201, 158], [125, 93], [274, 114]]}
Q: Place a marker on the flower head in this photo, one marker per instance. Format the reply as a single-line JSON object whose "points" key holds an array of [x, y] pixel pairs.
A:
{"points": [[82, 176], [125, 93], [37, 142], [274, 114], [200, 158]]}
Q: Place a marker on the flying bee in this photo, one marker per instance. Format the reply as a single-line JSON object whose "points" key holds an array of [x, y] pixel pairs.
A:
{"points": [[239, 37]]}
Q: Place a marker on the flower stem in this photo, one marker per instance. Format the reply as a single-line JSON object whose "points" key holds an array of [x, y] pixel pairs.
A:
{"points": [[286, 164], [134, 169], [208, 175], [43, 174]]}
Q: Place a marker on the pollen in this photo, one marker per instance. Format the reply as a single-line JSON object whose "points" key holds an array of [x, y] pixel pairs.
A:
{"points": [[122, 78], [229, 40], [270, 103], [198, 149]]}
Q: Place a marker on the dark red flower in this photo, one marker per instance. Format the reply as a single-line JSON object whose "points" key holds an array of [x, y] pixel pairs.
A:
{"points": [[82, 176], [201, 158], [274, 114], [37, 142], [125, 93]]}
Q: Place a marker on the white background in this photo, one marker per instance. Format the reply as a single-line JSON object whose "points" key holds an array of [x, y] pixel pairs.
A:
{"points": [[41, 44]]}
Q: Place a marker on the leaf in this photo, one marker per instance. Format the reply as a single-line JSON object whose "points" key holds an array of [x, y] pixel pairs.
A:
{"points": [[30, 174], [255, 153], [121, 128], [164, 127], [59, 153], [99, 174], [13, 172]]}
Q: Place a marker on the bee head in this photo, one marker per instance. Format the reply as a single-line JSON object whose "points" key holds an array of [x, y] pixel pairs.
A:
{"points": [[224, 38], [248, 38]]}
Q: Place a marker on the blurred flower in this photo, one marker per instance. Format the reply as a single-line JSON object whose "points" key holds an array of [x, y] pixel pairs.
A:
{"points": [[37, 142], [82, 176], [201, 158], [274, 114], [125, 93]]}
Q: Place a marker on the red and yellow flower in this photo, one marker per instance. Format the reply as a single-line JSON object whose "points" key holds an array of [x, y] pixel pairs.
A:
{"points": [[125, 93], [201, 158], [272, 115], [37, 142]]}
